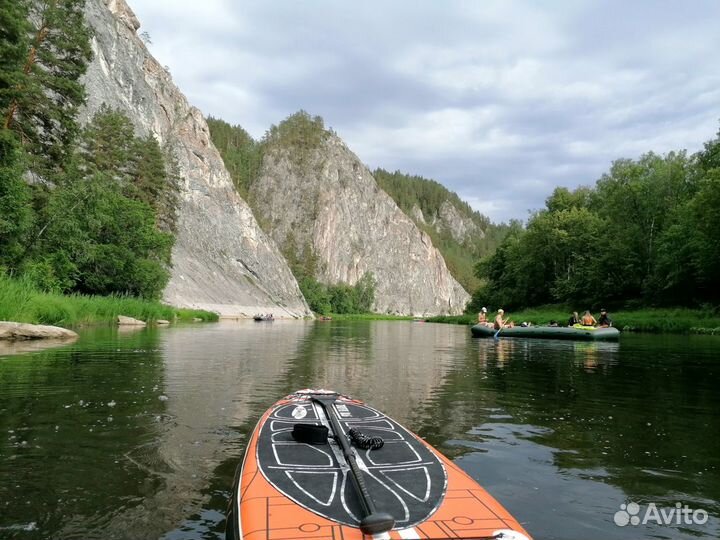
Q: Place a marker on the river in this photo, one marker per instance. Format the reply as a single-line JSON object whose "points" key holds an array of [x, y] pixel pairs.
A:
{"points": [[137, 435]]}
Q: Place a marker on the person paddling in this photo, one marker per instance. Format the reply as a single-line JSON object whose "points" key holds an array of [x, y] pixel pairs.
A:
{"points": [[605, 320], [574, 319], [500, 322], [588, 319]]}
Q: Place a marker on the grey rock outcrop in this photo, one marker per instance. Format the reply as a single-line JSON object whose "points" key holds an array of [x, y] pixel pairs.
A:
{"points": [[417, 214], [22, 331], [331, 202], [461, 228], [222, 261]]}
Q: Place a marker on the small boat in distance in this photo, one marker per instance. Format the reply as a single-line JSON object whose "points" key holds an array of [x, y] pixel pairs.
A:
{"points": [[260, 318]]}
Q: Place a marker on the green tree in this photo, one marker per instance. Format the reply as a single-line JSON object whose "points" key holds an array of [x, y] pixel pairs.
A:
{"points": [[299, 132], [316, 295], [101, 242], [100, 225], [107, 144], [645, 234], [138, 165], [241, 154], [15, 210], [342, 298], [14, 44], [637, 198], [688, 261], [364, 293], [45, 95]]}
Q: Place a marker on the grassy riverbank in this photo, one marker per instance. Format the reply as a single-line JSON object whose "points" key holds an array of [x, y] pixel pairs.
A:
{"points": [[367, 317], [21, 302], [657, 320]]}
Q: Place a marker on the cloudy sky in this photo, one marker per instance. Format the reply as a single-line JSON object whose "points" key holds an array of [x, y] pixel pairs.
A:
{"points": [[498, 100]]}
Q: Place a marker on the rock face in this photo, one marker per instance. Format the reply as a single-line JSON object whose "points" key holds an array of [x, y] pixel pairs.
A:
{"points": [[222, 260], [460, 227], [23, 331], [448, 218], [417, 214], [331, 202]]}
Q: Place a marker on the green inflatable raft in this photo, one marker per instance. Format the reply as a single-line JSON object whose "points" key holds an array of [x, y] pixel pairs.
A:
{"points": [[586, 333]]}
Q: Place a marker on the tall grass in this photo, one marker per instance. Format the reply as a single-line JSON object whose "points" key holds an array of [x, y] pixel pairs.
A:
{"points": [[369, 317], [657, 320], [453, 319], [20, 301]]}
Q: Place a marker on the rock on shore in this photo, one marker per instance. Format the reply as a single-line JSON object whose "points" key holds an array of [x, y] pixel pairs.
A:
{"points": [[23, 331], [122, 320]]}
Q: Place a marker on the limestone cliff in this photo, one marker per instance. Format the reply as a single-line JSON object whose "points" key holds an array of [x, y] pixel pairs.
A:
{"points": [[328, 200], [222, 260], [449, 219], [460, 227]]}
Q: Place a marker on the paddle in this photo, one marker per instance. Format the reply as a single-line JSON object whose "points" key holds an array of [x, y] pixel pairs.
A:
{"points": [[373, 522]]}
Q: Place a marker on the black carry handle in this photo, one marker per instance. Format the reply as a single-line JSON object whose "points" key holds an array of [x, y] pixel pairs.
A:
{"points": [[373, 522], [310, 433]]}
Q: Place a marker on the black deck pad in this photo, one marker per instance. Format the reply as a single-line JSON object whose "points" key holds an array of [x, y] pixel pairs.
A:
{"points": [[403, 477]]}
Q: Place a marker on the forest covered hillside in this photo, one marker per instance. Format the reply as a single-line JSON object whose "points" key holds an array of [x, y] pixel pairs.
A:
{"points": [[644, 235], [462, 235]]}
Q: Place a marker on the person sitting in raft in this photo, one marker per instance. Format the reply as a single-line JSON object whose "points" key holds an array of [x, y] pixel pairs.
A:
{"points": [[588, 319], [482, 317], [502, 323], [605, 320], [574, 319], [553, 324]]}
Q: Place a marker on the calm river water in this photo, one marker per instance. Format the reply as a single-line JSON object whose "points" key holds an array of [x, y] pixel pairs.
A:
{"points": [[137, 436]]}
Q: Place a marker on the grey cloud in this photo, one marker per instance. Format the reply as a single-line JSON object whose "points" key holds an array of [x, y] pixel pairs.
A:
{"points": [[500, 101]]}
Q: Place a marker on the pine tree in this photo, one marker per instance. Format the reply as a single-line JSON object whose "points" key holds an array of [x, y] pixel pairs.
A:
{"points": [[107, 145], [101, 234], [45, 95], [14, 30], [15, 214], [240, 152], [144, 171]]}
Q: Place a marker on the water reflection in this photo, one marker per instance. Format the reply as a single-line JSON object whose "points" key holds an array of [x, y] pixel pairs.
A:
{"points": [[138, 436], [11, 348], [68, 418], [216, 381]]}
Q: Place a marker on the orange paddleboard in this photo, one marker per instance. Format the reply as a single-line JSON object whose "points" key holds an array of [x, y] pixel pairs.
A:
{"points": [[301, 479]]}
